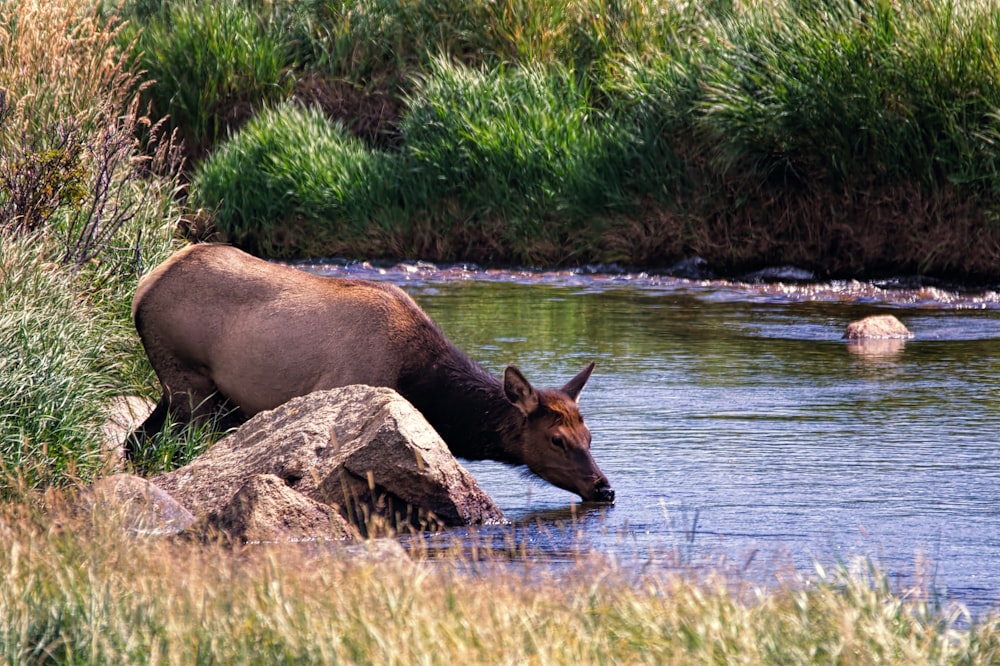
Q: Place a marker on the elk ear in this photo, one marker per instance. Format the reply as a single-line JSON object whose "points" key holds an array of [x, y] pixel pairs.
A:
{"points": [[575, 385], [519, 391]]}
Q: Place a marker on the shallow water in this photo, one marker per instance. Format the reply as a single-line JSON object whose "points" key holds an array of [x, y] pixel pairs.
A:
{"points": [[739, 430]]}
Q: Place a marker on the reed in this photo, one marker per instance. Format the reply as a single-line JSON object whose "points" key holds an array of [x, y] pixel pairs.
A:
{"points": [[55, 60]]}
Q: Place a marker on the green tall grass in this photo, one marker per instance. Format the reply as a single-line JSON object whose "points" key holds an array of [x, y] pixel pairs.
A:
{"points": [[386, 41], [519, 150], [854, 91], [293, 179], [521, 144], [815, 133], [210, 65], [57, 366], [83, 210], [50, 381], [67, 347]]}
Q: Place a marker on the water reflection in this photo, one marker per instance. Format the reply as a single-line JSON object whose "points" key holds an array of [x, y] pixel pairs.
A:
{"points": [[737, 427], [876, 348]]}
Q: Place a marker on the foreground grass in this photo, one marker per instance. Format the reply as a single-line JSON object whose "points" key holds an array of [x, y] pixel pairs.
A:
{"points": [[81, 591]]}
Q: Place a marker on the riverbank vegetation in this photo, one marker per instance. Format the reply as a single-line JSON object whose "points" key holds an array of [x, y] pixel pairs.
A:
{"points": [[92, 192], [847, 137], [82, 213]]}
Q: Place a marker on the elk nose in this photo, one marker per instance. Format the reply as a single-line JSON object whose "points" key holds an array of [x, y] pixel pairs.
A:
{"points": [[603, 492]]}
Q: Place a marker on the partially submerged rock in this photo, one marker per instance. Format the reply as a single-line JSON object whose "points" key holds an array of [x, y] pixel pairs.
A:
{"points": [[877, 327], [364, 451], [877, 336], [876, 348]]}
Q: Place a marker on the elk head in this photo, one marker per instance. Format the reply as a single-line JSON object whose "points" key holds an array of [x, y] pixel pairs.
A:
{"points": [[555, 442]]}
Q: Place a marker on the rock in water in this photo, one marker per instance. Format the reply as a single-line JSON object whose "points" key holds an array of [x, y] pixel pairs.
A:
{"points": [[365, 451], [877, 327]]}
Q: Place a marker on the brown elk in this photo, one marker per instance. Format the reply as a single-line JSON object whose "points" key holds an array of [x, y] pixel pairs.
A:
{"points": [[225, 330]]}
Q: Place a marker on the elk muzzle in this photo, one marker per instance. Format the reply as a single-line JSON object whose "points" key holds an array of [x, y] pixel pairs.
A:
{"points": [[602, 492]]}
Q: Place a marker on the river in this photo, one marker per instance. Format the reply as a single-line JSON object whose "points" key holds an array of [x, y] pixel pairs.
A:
{"points": [[739, 431]]}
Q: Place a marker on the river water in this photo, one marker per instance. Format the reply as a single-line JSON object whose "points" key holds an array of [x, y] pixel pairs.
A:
{"points": [[737, 428]]}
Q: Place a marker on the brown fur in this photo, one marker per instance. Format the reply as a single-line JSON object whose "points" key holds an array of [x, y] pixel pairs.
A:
{"points": [[562, 415], [223, 329]]}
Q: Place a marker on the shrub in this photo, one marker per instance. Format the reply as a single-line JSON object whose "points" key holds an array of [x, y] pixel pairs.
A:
{"points": [[70, 163], [290, 165]]}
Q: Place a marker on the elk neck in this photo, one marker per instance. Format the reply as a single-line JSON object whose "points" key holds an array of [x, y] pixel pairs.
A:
{"points": [[466, 405]]}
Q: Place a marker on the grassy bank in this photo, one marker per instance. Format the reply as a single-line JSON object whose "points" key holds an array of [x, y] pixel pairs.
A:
{"points": [[851, 138], [84, 592]]}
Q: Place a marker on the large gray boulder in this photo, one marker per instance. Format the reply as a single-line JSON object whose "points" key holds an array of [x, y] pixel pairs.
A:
{"points": [[365, 451]]}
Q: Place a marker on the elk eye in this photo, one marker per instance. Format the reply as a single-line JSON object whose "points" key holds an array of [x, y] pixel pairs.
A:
{"points": [[559, 441]]}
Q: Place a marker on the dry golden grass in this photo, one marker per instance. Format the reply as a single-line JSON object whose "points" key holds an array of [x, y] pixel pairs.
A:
{"points": [[56, 59], [77, 589]]}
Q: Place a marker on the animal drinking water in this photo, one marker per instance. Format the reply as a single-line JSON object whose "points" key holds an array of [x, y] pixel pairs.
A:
{"points": [[227, 331]]}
